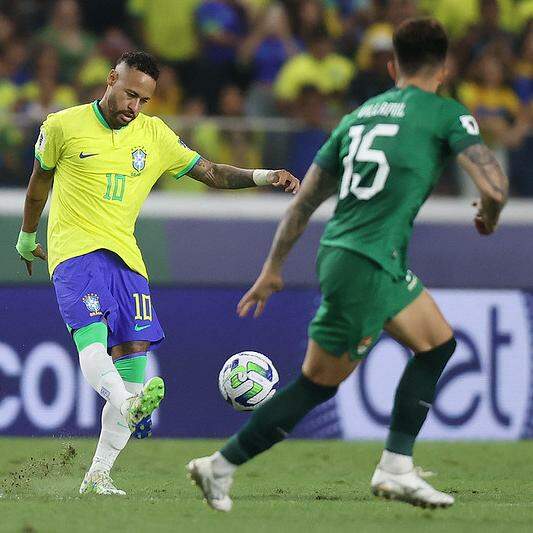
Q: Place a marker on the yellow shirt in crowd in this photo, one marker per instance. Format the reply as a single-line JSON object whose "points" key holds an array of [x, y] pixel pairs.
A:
{"points": [[331, 74]]}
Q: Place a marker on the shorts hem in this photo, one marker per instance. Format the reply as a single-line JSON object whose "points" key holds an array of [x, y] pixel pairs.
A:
{"points": [[92, 320], [334, 351], [414, 296], [153, 343]]}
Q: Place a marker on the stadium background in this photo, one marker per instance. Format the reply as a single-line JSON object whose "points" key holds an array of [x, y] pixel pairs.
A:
{"points": [[259, 83]]}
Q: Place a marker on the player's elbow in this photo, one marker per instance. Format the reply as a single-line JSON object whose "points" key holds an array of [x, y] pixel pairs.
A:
{"points": [[216, 178]]}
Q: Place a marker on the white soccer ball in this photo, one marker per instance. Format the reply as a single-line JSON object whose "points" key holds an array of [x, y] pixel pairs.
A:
{"points": [[247, 380]]}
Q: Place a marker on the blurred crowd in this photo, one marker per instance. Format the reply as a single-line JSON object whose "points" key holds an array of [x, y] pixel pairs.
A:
{"points": [[279, 73]]}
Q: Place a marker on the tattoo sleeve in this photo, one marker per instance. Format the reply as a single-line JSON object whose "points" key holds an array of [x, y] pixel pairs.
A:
{"points": [[479, 162], [221, 176], [317, 187]]}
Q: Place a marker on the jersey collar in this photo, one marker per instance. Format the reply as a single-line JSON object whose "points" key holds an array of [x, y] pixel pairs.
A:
{"points": [[96, 108]]}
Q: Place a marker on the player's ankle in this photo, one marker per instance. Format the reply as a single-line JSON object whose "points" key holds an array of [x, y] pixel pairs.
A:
{"points": [[124, 407], [99, 466], [221, 466], [395, 463]]}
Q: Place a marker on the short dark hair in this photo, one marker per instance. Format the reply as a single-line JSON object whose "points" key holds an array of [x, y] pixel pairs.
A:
{"points": [[419, 43], [141, 61]]}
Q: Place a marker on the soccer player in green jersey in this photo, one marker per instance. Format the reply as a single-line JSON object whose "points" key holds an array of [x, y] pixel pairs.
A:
{"points": [[382, 161], [104, 158]]}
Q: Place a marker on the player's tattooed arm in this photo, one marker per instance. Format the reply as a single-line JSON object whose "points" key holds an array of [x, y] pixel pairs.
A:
{"points": [[318, 186], [479, 162], [220, 176]]}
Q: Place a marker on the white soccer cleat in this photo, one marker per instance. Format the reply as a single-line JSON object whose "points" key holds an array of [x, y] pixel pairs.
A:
{"points": [[99, 483], [409, 488], [214, 488]]}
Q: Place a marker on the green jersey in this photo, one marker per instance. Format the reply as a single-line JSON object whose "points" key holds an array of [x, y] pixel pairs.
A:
{"points": [[388, 155]]}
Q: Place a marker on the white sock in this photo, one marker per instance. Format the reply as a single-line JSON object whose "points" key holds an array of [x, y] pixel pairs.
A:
{"points": [[101, 374], [396, 463], [221, 466], [114, 435]]}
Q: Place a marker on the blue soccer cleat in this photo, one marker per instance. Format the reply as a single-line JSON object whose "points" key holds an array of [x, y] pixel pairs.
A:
{"points": [[143, 429]]}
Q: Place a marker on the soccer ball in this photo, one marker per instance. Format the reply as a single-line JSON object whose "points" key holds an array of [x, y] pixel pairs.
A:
{"points": [[247, 380]]}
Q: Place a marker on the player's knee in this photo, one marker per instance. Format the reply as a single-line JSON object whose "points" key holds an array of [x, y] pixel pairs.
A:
{"points": [[434, 339], [450, 345], [320, 375], [324, 377], [439, 356], [447, 348], [120, 350], [327, 375]]}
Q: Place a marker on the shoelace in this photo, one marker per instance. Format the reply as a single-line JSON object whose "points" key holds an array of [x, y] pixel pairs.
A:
{"points": [[424, 474], [105, 480], [135, 409]]}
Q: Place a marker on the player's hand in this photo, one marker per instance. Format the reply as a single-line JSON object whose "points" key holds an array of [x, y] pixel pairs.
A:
{"points": [[484, 225], [39, 252], [283, 178], [267, 283], [28, 250]]}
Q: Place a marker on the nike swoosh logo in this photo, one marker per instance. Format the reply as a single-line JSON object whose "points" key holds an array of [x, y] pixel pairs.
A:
{"points": [[140, 328], [83, 156]]}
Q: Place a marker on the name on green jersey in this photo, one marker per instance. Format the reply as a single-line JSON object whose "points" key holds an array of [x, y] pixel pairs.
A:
{"points": [[383, 109]]}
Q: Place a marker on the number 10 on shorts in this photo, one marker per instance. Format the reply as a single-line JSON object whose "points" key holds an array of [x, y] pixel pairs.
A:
{"points": [[144, 301]]}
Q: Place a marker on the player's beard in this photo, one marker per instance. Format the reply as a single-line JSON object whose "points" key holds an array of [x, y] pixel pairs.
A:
{"points": [[115, 113]]}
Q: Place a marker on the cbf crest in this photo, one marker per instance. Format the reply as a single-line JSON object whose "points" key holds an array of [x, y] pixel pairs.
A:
{"points": [[92, 303], [138, 160]]}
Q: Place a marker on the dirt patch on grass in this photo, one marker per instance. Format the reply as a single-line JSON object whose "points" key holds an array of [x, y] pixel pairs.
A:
{"points": [[36, 468]]}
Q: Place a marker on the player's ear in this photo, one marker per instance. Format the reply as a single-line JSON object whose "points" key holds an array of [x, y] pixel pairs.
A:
{"points": [[391, 68], [112, 77]]}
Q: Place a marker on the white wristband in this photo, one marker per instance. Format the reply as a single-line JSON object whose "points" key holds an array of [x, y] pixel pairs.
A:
{"points": [[262, 177]]}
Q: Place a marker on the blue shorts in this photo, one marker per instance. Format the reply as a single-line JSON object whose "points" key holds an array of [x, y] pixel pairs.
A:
{"points": [[99, 285]]}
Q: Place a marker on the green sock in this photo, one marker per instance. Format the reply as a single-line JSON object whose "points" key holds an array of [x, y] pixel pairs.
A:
{"points": [[414, 396], [132, 367], [272, 422]]}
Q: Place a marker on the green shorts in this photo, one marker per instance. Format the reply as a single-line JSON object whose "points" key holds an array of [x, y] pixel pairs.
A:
{"points": [[358, 298]]}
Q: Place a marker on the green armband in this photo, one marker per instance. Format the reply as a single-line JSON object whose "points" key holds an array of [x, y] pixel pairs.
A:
{"points": [[26, 244]]}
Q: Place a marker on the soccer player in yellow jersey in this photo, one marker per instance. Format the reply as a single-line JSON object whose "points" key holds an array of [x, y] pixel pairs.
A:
{"points": [[104, 158]]}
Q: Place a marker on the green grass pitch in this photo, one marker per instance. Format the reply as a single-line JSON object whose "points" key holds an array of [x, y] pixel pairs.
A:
{"points": [[299, 486]]}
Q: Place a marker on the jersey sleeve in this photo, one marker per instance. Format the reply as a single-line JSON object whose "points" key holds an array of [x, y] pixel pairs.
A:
{"points": [[461, 129], [49, 142], [328, 157], [177, 158]]}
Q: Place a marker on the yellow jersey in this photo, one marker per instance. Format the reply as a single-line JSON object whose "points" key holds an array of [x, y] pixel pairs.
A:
{"points": [[102, 177]]}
